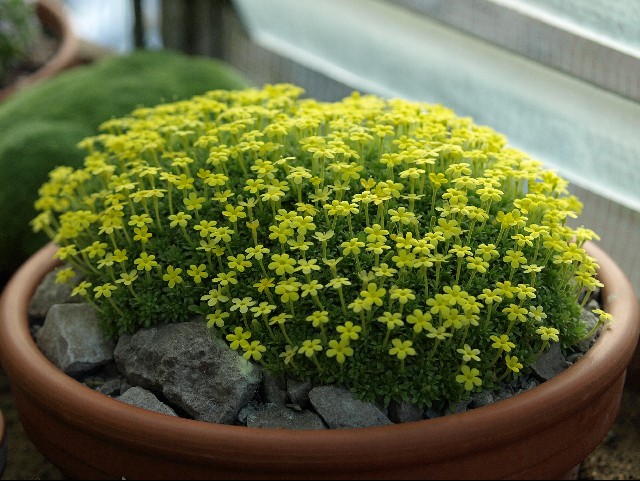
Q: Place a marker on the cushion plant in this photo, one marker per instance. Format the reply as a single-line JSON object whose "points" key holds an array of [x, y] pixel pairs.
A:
{"points": [[41, 126], [387, 246]]}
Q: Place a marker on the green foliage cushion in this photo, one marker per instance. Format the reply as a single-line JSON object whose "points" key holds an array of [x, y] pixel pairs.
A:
{"points": [[390, 247], [40, 127]]}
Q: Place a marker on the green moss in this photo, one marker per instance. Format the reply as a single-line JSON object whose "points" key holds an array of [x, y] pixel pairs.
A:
{"points": [[41, 126]]}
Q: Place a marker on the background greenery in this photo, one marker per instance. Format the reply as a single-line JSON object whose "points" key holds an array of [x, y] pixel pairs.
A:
{"points": [[40, 126]]}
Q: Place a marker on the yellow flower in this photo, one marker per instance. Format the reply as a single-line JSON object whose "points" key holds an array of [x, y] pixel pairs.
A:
{"points": [[307, 266], [142, 234], [490, 296], [104, 290], [205, 227], [402, 215], [404, 258], [468, 353], [217, 318], [97, 248], [234, 213], [64, 275], [238, 339], [226, 278], [65, 252], [548, 333], [282, 264], [477, 264], [280, 319], [376, 233], [145, 262], [140, 220], [264, 284], [391, 320], [310, 347], [401, 349], [179, 219], [403, 295], [338, 282], [311, 288], [420, 320], [469, 377], [242, 305], [349, 331], [127, 278], [502, 343], [514, 258], [214, 296], [120, 255], [340, 350], [373, 294], [318, 318], [81, 289], [239, 262], [288, 354], [172, 276], [197, 272], [263, 309], [516, 313], [352, 246], [253, 350], [258, 252], [603, 316], [513, 364], [440, 333]]}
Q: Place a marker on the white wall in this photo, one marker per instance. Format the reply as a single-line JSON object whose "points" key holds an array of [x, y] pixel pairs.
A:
{"points": [[591, 136]]}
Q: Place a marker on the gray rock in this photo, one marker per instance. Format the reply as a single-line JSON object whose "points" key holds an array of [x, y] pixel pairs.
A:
{"points": [[247, 410], [281, 417], [193, 370], [275, 391], [573, 358], [460, 406], [48, 293], [71, 339], [136, 396], [482, 398], [432, 413], [124, 386], [298, 392], [404, 412], [529, 383], [340, 409], [502, 394], [550, 363], [110, 387]]}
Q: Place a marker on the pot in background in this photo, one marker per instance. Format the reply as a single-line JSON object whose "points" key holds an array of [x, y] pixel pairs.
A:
{"points": [[54, 18]]}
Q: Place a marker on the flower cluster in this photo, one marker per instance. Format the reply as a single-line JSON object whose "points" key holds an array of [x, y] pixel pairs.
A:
{"points": [[387, 246]]}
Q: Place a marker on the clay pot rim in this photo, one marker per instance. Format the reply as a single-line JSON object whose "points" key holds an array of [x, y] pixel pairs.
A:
{"points": [[452, 434], [53, 14]]}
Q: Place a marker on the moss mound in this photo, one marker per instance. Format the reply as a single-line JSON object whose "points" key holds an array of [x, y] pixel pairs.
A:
{"points": [[40, 127]]}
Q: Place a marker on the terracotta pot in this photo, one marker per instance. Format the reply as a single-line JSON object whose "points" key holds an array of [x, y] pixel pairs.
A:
{"points": [[633, 376], [543, 433], [3, 444], [53, 16]]}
